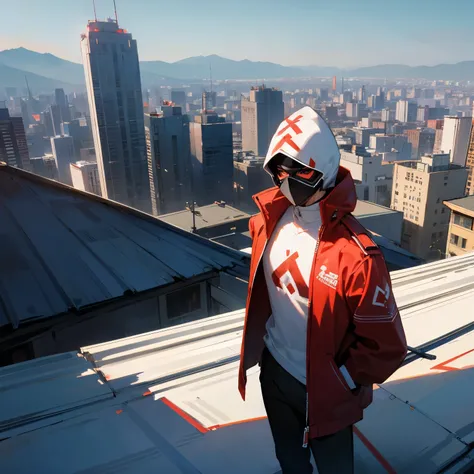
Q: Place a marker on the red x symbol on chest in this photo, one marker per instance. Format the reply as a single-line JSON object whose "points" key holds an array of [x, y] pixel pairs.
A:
{"points": [[292, 125]]}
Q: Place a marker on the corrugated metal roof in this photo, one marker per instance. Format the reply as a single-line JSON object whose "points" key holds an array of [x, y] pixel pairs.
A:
{"points": [[41, 388], [62, 249], [176, 407]]}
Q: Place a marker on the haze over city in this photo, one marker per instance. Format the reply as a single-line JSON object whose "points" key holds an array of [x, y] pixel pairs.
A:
{"points": [[307, 32]]}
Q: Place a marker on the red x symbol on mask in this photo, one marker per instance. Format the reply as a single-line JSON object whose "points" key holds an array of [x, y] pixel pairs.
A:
{"points": [[285, 139]]}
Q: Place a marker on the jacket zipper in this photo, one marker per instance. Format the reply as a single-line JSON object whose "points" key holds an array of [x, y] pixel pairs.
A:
{"points": [[310, 303]]}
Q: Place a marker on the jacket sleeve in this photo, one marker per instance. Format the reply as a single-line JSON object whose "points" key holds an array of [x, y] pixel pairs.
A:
{"points": [[380, 344]]}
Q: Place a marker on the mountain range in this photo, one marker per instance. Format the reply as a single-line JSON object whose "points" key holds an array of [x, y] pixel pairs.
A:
{"points": [[46, 71]]}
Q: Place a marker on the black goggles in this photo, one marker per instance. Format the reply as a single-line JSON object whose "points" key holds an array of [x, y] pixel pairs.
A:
{"points": [[287, 168]]}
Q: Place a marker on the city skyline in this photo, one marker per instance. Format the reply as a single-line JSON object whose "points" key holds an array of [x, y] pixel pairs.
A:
{"points": [[369, 37]]}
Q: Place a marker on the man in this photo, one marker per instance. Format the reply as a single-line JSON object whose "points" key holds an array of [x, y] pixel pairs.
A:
{"points": [[321, 318]]}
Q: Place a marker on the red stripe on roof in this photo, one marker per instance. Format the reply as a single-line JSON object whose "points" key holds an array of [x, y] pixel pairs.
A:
{"points": [[239, 422], [444, 366], [186, 416], [375, 452]]}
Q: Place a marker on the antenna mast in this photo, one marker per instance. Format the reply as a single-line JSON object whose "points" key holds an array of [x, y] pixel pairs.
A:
{"points": [[28, 88], [115, 10], [210, 74], [95, 11]]}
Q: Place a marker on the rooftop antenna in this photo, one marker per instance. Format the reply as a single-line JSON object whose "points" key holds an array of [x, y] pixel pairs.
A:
{"points": [[28, 88], [210, 74], [95, 11], [115, 11]]}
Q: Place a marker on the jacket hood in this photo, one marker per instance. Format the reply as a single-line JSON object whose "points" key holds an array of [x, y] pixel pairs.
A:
{"points": [[306, 138], [340, 201]]}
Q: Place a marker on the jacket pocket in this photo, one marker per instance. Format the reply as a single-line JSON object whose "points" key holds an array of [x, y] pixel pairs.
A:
{"points": [[339, 376]]}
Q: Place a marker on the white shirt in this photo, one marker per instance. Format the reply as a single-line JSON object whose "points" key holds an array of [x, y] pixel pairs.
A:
{"points": [[287, 263]]}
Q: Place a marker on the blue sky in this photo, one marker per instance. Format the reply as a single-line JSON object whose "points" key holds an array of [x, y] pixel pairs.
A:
{"points": [[343, 33]]}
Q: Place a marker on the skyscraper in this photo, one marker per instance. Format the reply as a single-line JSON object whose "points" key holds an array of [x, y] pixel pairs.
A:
{"points": [[323, 93], [209, 99], [55, 113], [47, 121], [63, 152], [62, 103], [379, 102], [169, 162], [114, 92], [80, 132], [422, 141], [352, 109], [178, 97], [211, 159], [406, 111], [419, 189], [262, 112], [455, 141], [387, 115], [13, 144]]}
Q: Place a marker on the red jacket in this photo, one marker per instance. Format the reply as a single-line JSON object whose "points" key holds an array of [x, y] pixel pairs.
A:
{"points": [[353, 318]]}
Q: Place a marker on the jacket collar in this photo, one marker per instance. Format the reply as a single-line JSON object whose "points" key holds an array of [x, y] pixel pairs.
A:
{"points": [[340, 201]]}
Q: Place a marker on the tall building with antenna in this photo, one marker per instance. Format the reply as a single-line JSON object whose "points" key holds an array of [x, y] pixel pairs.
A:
{"points": [[112, 71], [209, 98]]}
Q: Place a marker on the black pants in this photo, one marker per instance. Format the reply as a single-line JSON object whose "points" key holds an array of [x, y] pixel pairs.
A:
{"points": [[285, 402]]}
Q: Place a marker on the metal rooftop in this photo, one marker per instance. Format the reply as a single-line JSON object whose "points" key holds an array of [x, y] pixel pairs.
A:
{"points": [[206, 216], [464, 203], [167, 401], [365, 208], [63, 250]]}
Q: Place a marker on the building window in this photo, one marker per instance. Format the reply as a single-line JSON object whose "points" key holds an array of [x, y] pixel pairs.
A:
{"points": [[443, 210], [434, 224], [463, 221], [458, 241], [184, 301]]}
